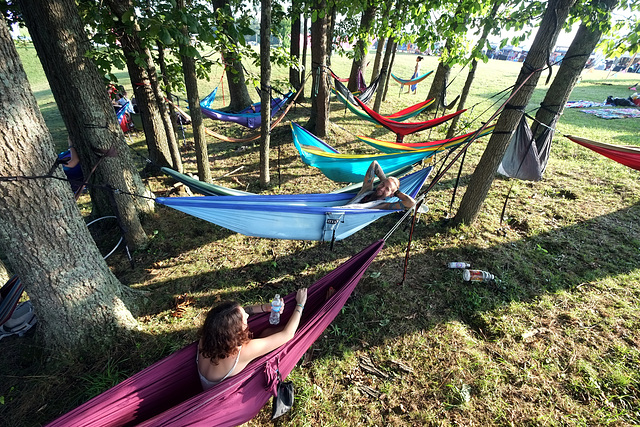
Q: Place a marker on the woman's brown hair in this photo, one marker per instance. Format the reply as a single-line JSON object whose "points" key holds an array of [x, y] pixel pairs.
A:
{"points": [[222, 332]]}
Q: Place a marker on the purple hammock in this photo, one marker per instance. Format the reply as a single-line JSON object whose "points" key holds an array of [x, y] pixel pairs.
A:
{"points": [[249, 117], [168, 393]]}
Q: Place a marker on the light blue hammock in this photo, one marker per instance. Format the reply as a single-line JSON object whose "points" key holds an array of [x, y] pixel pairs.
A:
{"points": [[297, 217], [208, 189], [348, 167], [249, 117]]}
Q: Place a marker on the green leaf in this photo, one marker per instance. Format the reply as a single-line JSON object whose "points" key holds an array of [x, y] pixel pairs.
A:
{"points": [[165, 37]]}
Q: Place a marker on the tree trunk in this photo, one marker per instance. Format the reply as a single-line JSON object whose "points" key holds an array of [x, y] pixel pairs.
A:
{"points": [[294, 51], [143, 79], [59, 38], [482, 178], [438, 88], [463, 97], [175, 150], [80, 304], [238, 92], [383, 74], [393, 58], [191, 83], [265, 84], [331, 26], [572, 65], [319, 99], [376, 62], [362, 46], [305, 32], [489, 24]]}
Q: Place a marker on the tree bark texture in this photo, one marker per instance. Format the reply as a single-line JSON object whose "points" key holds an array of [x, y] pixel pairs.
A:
{"points": [[377, 61], [362, 46], [294, 51], [78, 301], [191, 84], [265, 94], [330, 27], [144, 82], [174, 148], [305, 33], [238, 92], [318, 121], [438, 88], [59, 38], [391, 61], [568, 74], [383, 74], [482, 178]]}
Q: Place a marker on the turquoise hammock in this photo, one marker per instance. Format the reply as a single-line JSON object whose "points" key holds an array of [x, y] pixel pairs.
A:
{"points": [[322, 217], [348, 167], [412, 81]]}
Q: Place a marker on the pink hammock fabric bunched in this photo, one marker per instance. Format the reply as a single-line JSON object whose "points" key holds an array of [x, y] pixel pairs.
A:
{"points": [[168, 393]]}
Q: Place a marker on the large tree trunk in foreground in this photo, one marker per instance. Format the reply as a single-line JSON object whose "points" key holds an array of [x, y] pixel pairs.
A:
{"points": [[143, 80], [59, 38], [319, 119], [552, 22], [191, 83], [265, 84], [362, 46], [572, 65], [79, 303]]}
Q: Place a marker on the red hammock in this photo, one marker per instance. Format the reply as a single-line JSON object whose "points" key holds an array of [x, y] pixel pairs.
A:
{"points": [[623, 154], [403, 129], [168, 393]]}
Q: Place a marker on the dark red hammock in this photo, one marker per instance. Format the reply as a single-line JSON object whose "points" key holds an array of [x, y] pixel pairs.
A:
{"points": [[168, 393], [402, 129], [623, 154]]}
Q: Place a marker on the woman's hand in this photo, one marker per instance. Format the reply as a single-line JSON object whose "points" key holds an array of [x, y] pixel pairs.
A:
{"points": [[301, 296]]}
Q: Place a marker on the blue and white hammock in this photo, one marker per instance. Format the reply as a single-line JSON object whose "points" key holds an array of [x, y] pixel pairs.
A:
{"points": [[321, 217], [349, 167]]}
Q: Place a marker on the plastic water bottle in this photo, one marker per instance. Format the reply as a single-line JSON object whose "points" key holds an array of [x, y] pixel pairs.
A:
{"points": [[459, 265], [477, 276], [276, 305]]}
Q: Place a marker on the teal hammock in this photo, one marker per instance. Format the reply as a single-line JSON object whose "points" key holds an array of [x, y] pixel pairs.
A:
{"points": [[348, 167]]}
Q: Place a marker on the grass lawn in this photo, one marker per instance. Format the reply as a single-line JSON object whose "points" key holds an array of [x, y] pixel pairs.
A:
{"points": [[554, 341]]}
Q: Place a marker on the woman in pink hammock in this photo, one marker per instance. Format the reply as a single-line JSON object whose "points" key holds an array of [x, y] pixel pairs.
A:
{"points": [[226, 345]]}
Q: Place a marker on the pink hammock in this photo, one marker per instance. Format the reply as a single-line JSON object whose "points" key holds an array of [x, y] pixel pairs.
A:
{"points": [[168, 393]]}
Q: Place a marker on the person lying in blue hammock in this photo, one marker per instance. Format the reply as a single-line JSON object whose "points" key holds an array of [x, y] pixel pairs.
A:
{"points": [[376, 198]]}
